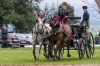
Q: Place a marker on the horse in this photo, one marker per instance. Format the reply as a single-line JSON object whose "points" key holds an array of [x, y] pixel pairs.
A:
{"points": [[58, 38], [40, 32]]}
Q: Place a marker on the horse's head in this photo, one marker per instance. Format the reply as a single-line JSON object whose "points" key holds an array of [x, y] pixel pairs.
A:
{"points": [[55, 25], [40, 22]]}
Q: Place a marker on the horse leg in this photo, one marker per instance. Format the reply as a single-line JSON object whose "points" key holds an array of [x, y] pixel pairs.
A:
{"points": [[59, 52], [50, 47], [34, 50], [69, 55], [56, 49], [45, 51], [48, 56], [39, 50], [50, 51]]}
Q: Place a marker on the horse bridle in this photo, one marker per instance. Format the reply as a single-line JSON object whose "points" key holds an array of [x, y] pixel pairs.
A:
{"points": [[36, 32]]}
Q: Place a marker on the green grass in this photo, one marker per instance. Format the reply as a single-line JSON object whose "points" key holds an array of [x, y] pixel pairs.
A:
{"points": [[24, 56]]}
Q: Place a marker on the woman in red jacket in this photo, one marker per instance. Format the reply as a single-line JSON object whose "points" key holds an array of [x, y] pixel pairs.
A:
{"points": [[63, 13]]}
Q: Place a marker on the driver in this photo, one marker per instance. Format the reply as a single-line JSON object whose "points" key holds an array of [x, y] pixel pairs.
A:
{"points": [[63, 13]]}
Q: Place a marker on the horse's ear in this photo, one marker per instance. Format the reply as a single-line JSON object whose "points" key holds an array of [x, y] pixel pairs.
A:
{"points": [[43, 14], [44, 21], [38, 14], [51, 18]]}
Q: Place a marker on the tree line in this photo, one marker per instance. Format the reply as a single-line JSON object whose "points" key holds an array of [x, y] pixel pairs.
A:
{"points": [[21, 14]]}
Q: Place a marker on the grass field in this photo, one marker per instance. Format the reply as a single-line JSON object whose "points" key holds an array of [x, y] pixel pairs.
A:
{"points": [[24, 56]]}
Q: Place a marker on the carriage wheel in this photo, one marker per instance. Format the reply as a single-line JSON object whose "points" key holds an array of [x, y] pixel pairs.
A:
{"points": [[81, 48], [89, 45]]}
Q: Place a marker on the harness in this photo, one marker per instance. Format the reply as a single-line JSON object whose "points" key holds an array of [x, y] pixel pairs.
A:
{"points": [[37, 33]]}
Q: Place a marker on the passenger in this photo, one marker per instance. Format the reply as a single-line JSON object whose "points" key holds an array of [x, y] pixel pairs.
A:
{"points": [[98, 36], [85, 21], [4, 32]]}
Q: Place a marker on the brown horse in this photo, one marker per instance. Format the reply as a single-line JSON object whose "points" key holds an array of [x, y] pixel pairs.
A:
{"points": [[58, 38]]}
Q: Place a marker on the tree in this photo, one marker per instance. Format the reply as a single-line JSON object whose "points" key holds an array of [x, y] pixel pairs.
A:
{"points": [[50, 11], [20, 13]]}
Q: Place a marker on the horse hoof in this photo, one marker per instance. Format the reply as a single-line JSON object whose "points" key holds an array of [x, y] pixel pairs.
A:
{"points": [[69, 55], [48, 59], [53, 60], [37, 60], [52, 56], [45, 54], [59, 60]]}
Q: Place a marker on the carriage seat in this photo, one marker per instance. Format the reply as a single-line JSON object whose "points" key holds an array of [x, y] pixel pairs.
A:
{"points": [[76, 31]]}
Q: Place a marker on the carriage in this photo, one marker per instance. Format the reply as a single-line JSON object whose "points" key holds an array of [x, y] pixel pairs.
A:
{"points": [[83, 42]]}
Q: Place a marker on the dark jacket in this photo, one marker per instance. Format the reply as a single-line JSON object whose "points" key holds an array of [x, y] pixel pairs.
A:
{"points": [[62, 13], [4, 31], [85, 17]]}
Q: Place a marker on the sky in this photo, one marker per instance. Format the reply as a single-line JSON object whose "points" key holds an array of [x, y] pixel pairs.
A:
{"points": [[77, 4]]}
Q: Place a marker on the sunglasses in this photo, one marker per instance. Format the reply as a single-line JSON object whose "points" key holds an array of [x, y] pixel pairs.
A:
{"points": [[64, 4]]}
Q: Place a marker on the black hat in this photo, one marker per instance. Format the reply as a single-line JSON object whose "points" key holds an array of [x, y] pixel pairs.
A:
{"points": [[64, 3], [84, 7]]}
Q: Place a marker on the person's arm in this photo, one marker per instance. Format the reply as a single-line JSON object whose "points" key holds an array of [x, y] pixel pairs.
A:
{"points": [[6, 30], [87, 16], [84, 17], [1, 30], [67, 14]]}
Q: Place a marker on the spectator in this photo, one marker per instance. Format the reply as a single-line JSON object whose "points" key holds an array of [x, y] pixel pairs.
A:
{"points": [[4, 32], [98, 36]]}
